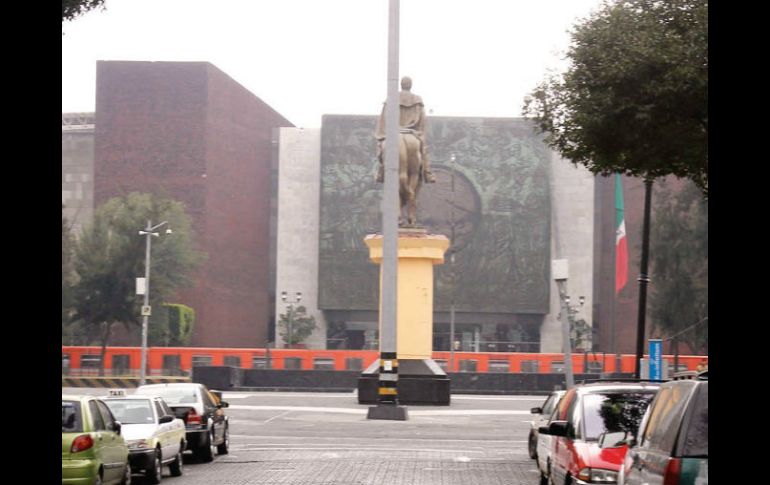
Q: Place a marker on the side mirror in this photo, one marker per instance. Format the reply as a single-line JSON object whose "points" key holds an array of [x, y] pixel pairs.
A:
{"points": [[116, 426], [224, 404], [536, 410], [555, 428], [166, 419], [612, 440]]}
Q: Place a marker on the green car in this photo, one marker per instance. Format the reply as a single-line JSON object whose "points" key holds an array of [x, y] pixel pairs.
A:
{"points": [[92, 449]]}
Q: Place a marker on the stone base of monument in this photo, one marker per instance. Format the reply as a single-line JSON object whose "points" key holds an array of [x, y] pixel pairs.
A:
{"points": [[420, 381], [392, 412]]}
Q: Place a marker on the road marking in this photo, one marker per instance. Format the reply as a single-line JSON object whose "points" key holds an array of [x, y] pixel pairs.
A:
{"points": [[276, 416], [417, 412], [307, 440], [499, 398]]}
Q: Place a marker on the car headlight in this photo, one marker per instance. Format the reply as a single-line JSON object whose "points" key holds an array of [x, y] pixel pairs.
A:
{"points": [[138, 444], [598, 475]]}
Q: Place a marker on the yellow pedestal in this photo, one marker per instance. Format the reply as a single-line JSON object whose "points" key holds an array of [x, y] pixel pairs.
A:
{"points": [[417, 253]]}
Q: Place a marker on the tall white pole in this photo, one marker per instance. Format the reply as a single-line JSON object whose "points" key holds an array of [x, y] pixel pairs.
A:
{"points": [[387, 401]]}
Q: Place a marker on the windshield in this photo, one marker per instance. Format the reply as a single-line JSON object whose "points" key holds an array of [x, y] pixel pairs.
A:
{"points": [[612, 412], [131, 411], [173, 395], [70, 417]]}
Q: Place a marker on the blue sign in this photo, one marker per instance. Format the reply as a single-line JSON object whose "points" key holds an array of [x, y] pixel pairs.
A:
{"points": [[656, 359]]}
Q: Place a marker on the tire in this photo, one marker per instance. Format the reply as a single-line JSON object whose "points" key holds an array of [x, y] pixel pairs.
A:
{"points": [[155, 472], [126, 475], [543, 479], [532, 446], [206, 452], [222, 448], [176, 466]]}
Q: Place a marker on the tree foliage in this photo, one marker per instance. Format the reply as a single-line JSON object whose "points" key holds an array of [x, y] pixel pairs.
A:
{"points": [[302, 325], [75, 8], [110, 254], [635, 97], [67, 274], [679, 258]]}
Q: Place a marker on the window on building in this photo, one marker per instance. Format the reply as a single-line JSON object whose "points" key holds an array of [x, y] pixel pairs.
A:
{"points": [[530, 366], [201, 360], [323, 363], [499, 366], [354, 363]]}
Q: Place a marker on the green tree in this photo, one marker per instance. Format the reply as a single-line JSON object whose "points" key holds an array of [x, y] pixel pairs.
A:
{"points": [[74, 8], [679, 257], [635, 97], [110, 255], [67, 274], [302, 325], [181, 320]]}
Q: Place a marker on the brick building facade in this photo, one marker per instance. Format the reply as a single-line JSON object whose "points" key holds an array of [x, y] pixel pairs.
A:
{"points": [[188, 131]]}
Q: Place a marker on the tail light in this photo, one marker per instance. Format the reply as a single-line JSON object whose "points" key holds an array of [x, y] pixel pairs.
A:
{"points": [[82, 443], [672, 472], [193, 417]]}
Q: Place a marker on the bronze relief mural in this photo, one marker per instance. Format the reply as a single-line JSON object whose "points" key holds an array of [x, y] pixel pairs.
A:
{"points": [[494, 196]]}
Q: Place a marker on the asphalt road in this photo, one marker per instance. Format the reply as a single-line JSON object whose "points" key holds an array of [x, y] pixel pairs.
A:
{"points": [[325, 439]]}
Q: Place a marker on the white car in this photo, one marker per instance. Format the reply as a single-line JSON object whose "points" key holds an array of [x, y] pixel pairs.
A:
{"points": [[155, 437], [541, 451], [540, 418]]}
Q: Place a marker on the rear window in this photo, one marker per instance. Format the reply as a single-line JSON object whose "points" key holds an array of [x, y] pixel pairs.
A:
{"points": [[612, 412], [70, 417], [696, 442], [131, 411], [172, 395]]}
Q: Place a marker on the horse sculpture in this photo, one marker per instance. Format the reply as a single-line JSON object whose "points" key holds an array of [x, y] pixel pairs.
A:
{"points": [[409, 176]]}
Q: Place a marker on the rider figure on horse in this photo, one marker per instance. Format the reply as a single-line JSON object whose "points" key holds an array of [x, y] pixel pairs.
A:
{"points": [[412, 120]]}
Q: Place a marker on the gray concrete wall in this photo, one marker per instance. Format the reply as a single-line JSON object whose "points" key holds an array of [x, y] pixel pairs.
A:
{"points": [[297, 239], [77, 169], [572, 238]]}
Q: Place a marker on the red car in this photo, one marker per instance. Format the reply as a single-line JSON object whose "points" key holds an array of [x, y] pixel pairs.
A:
{"points": [[587, 415]]}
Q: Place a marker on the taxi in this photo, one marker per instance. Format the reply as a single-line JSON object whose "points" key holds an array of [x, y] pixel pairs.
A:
{"points": [[92, 446], [155, 437]]}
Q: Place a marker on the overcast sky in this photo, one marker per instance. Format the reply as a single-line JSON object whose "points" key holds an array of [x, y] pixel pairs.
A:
{"points": [[307, 58]]}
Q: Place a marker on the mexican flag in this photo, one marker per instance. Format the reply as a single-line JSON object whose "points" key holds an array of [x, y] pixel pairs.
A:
{"points": [[621, 242]]}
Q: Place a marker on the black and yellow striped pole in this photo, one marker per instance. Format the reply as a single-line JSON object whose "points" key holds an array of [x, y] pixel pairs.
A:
{"points": [[387, 392], [387, 396]]}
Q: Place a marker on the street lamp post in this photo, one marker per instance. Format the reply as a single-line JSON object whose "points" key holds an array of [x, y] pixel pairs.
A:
{"points": [[295, 298], [454, 276], [146, 310]]}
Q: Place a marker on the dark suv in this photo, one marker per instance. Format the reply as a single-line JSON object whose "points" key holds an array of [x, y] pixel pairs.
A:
{"points": [[207, 426], [588, 416], [672, 445]]}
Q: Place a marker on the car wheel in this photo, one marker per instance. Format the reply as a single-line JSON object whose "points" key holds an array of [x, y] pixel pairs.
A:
{"points": [[222, 448], [176, 466], [154, 472], [206, 452], [126, 475], [532, 446], [543, 479]]}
